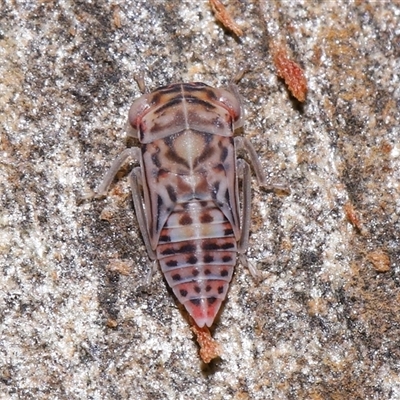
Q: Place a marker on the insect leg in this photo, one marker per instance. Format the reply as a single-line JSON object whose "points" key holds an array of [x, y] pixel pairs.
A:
{"points": [[242, 143], [243, 171], [133, 153]]}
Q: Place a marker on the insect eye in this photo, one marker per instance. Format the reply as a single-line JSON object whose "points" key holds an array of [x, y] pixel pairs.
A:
{"points": [[233, 103], [138, 109]]}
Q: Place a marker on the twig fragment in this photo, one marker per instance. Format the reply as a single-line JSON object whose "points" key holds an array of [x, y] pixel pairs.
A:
{"points": [[222, 15], [209, 347], [291, 73], [380, 260]]}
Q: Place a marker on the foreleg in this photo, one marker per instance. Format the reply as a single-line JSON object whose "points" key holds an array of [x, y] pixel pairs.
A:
{"points": [[133, 153]]}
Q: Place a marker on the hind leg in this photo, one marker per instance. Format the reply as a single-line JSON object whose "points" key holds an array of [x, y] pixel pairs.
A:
{"points": [[242, 143], [243, 172], [133, 153]]}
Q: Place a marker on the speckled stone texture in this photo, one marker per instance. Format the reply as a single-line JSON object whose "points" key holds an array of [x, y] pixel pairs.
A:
{"points": [[324, 320]]}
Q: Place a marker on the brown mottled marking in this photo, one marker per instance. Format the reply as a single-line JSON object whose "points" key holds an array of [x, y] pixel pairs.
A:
{"points": [[171, 192], [162, 173], [156, 99], [209, 245], [207, 153], [192, 259], [219, 168], [208, 258], [195, 100], [165, 238], [174, 102], [224, 154], [172, 263], [202, 187], [188, 248], [185, 219], [182, 186], [228, 232], [184, 248], [211, 300], [206, 218], [176, 158], [210, 94]]}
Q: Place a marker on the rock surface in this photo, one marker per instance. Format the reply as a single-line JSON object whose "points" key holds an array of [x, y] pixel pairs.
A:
{"points": [[323, 322]]}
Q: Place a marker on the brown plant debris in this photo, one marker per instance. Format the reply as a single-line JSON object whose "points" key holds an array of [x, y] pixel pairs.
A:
{"points": [[111, 323], [116, 16], [291, 73], [353, 217], [209, 347], [120, 266], [380, 260], [223, 16]]}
